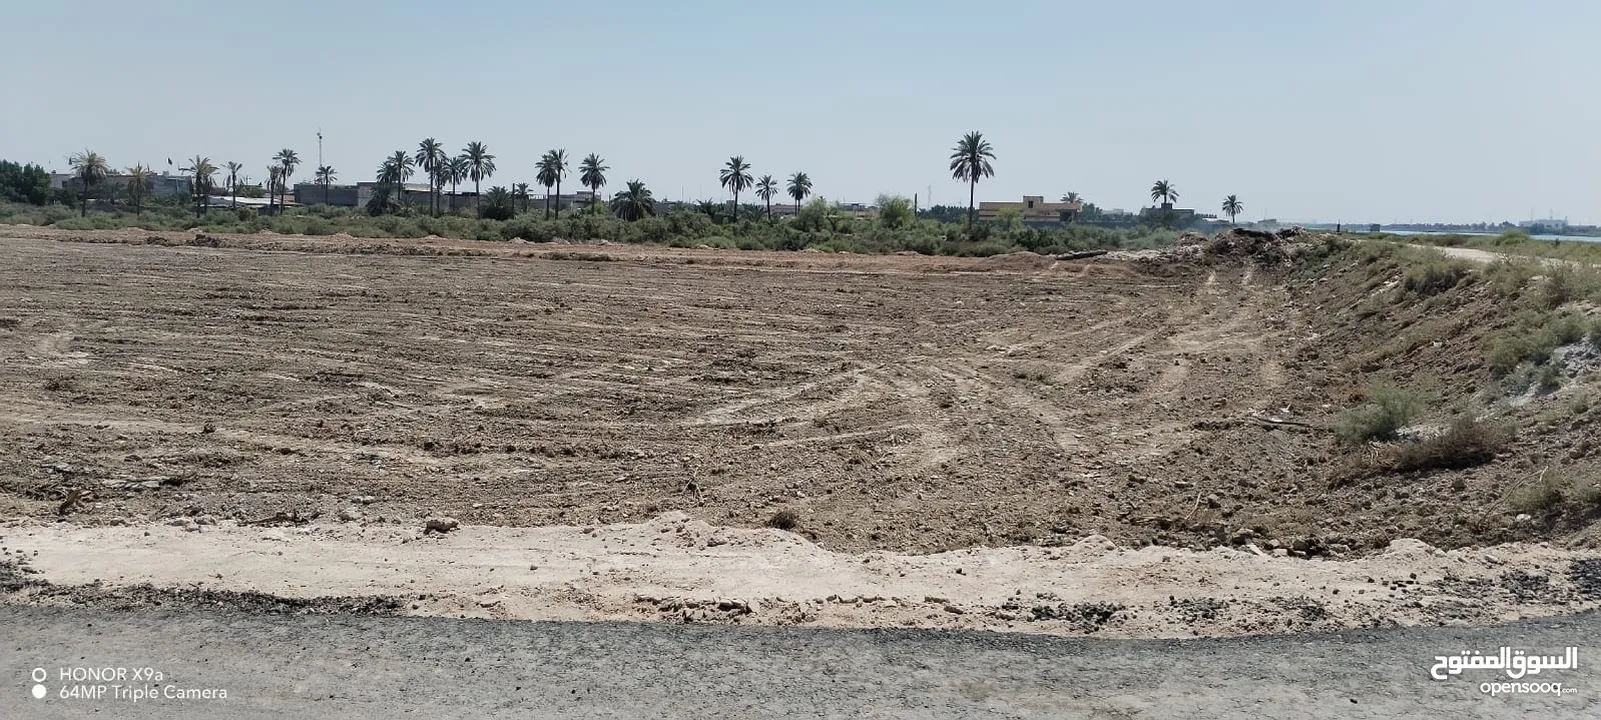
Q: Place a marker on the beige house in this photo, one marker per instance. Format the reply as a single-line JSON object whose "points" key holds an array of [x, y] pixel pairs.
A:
{"points": [[1035, 210]]}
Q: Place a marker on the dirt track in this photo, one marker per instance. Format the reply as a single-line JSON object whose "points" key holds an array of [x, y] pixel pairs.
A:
{"points": [[892, 404]]}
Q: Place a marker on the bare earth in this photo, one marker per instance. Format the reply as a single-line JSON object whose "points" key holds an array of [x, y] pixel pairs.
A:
{"points": [[988, 443], [681, 570]]}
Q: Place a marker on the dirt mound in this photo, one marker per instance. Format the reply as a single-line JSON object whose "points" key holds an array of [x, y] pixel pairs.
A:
{"points": [[1236, 245], [1017, 261]]}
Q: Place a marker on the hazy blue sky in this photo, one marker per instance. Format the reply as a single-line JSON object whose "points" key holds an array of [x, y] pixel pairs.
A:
{"points": [[1358, 110]]}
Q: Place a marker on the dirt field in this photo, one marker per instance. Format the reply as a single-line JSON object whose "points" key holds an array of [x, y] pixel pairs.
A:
{"points": [[913, 411], [283, 414]]}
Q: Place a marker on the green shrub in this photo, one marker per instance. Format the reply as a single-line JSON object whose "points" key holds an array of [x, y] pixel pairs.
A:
{"points": [[1388, 410], [1512, 237], [1508, 276], [1433, 273], [1535, 339], [1565, 283], [895, 212]]}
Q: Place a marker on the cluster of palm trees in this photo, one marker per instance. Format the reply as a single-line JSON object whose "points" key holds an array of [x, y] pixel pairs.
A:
{"points": [[477, 164], [736, 176]]}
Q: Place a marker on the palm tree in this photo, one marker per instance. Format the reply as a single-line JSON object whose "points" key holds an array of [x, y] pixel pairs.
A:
{"points": [[1164, 192], [456, 173], [383, 195], [736, 177], [138, 187], [970, 161], [519, 191], [289, 160], [480, 165], [400, 171], [91, 168], [558, 165], [1232, 207], [592, 174], [634, 203], [766, 188], [430, 156], [545, 174], [1070, 197], [325, 178], [501, 206], [800, 185], [275, 179], [201, 170], [233, 181]]}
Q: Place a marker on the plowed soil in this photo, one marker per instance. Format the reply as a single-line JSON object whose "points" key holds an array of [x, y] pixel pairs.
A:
{"points": [[906, 403], [900, 403]]}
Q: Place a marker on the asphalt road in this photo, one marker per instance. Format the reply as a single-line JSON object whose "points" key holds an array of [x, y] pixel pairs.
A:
{"points": [[371, 667]]}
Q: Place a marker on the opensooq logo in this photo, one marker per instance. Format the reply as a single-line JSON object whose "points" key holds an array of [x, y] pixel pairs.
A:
{"points": [[1516, 663]]}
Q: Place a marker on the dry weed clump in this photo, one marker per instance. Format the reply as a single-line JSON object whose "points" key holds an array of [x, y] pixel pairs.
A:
{"points": [[1556, 494], [784, 520], [1468, 442]]}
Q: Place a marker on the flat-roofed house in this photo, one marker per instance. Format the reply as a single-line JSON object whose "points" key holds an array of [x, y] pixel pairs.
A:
{"points": [[1035, 210]]}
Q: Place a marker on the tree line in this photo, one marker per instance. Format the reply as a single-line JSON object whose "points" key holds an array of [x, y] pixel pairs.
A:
{"points": [[971, 160]]}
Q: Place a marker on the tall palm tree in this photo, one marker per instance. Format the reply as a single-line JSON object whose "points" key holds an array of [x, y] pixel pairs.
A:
{"points": [[519, 191], [456, 174], [383, 196], [91, 169], [970, 161], [736, 177], [430, 156], [275, 180], [233, 181], [545, 174], [558, 163], [480, 165], [1164, 192], [634, 203], [400, 170], [325, 178], [766, 188], [289, 160], [800, 185], [1070, 197], [592, 174], [200, 170], [1232, 207], [138, 187]]}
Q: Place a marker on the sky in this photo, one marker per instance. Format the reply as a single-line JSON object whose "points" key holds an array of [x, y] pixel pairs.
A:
{"points": [[1355, 111]]}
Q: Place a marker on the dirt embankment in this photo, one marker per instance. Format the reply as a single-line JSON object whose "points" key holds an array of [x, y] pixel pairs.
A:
{"points": [[677, 569]]}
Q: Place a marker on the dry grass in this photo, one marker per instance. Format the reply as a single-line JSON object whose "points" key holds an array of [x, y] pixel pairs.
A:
{"points": [[784, 520], [1556, 494], [1467, 443]]}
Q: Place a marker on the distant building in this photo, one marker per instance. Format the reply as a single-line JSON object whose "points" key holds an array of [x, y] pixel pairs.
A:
{"points": [[335, 195], [160, 185], [1035, 210], [1176, 216], [1548, 224]]}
